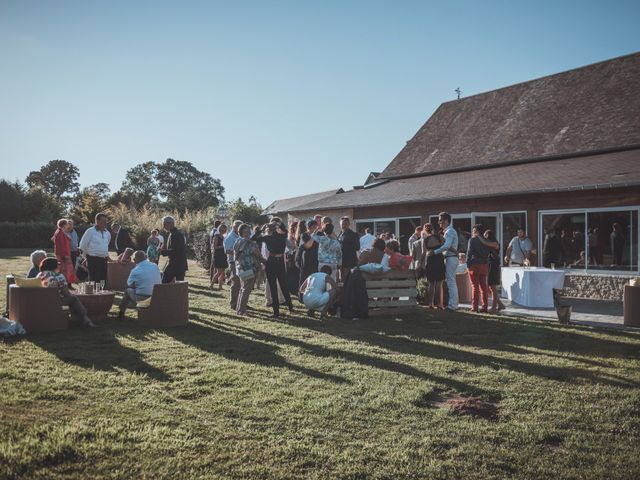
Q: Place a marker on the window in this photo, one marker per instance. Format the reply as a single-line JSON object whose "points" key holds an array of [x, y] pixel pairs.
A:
{"points": [[563, 240], [362, 225], [407, 228], [611, 238], [377, 226], [592, 239], [385, 226]]}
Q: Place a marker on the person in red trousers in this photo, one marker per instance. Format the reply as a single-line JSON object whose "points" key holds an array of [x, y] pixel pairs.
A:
{"points": [[478, 264]]}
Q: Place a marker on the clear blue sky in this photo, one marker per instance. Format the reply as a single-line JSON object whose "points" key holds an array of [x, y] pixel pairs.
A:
{"points": [[274, 98]]}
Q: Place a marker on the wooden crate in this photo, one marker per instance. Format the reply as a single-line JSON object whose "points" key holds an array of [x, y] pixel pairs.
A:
{"points": [[391, 293]]}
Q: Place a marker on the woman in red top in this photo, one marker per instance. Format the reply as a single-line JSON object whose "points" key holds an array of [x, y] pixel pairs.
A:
{"points": [[62, 251], [397, 261]]}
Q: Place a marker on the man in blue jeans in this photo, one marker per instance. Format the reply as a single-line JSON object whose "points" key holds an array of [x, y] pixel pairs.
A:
{"points": [[449, 249]]}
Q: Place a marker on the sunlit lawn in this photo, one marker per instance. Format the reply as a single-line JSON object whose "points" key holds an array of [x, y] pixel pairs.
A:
{"points": [[299, 398]]}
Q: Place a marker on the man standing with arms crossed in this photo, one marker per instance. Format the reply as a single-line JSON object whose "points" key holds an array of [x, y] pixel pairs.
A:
{"points": [[450, 251]]}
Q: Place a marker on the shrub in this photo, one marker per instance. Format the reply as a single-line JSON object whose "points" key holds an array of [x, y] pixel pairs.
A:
{"points": [[421, 288], [29, 235], [141, 221], [201, 244]]}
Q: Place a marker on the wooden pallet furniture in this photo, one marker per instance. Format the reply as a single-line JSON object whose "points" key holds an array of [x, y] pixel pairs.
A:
{"points": [[39, 310], [118, 274], [391, 293], [10, 279], [632, 305], [169, 306]]}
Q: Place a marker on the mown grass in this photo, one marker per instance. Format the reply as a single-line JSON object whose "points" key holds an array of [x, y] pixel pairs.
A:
{"points": [[299, 398]]}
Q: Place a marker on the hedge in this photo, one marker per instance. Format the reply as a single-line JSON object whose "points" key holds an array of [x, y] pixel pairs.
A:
{"points": [[29, 235], [201, 245]]}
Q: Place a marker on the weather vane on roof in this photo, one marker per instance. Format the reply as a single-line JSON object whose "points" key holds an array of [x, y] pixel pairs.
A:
{"points": [[458, 91]]}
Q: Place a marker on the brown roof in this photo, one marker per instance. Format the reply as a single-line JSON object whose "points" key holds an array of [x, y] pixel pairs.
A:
{"points": [[588, 109], [619, 169], [290, 204]]}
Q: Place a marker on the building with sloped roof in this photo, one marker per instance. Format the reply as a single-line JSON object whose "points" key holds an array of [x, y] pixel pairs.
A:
{"points": [[559, 154]]}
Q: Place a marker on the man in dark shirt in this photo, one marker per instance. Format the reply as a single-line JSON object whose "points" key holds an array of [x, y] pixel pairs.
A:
{"points": [[276, 242], [308, 252], [176, 250], [350, 242], [121, 239]]}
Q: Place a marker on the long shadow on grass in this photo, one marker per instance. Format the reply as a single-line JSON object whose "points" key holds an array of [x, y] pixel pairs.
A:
{"points": [[362, 359], [97, 349], [207, 293], [416, 337], [239, 348]]}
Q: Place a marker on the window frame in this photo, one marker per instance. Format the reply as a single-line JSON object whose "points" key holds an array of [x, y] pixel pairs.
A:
{"points": [[585, 212]]}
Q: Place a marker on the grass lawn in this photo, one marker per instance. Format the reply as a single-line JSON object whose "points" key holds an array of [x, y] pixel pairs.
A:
{"points": [[299, 398]]}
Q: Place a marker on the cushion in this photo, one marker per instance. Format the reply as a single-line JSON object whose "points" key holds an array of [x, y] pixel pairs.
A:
{"points": [[374, 268], [28, 282], [146, 303]]}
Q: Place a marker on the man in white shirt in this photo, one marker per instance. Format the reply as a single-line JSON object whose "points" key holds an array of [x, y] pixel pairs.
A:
{"points": [[95, 247], [140, 283], [366, 241], [450, 251], [519, 249]]}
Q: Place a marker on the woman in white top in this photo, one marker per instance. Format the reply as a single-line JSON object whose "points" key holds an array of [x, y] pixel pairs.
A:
{"points": [[319, 291]]}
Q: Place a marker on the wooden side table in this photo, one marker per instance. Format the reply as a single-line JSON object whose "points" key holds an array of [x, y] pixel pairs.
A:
{"points": [[97, 304], [632, 306]]}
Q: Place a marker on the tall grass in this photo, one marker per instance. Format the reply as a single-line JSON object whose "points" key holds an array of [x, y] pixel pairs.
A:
{"points": [[140, 221]]}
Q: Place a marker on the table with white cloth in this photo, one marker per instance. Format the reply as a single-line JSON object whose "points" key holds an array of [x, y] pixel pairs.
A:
{"points": [[531, 287]]}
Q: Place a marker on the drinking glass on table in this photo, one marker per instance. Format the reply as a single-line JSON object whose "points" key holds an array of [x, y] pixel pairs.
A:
{"points": [[102, 283]]}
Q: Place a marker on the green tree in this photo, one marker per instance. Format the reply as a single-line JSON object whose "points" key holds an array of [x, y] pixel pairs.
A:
{"points": [[58, 178], [247, 212], [40, 206], [11, 197], [139, 187], [91, 200], [101, 189], [187, 188]]}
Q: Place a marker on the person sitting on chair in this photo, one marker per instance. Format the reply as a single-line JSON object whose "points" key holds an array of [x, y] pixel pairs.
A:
{"points": [[374, 254], [36, 258], [141, 280], [51, 277], [319, 291]]}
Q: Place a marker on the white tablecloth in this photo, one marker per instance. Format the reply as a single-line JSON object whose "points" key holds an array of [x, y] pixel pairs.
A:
{"points": [[531, 287]]}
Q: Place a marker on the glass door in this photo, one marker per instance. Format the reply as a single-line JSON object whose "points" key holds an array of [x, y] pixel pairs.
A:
{"points": [[407, 227]]}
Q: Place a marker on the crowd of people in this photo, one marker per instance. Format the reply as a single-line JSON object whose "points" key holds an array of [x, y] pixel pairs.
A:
{"points": [[305, 260]]}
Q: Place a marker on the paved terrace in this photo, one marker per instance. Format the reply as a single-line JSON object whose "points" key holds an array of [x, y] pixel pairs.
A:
{"points": [[597, 313]]}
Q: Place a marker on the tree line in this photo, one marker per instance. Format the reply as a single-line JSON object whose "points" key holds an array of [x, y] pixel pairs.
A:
{"points": [[54, 191]]}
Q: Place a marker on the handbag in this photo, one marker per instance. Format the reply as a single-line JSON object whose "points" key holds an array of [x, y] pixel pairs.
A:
{"points": [[245, 275]]}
